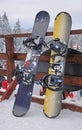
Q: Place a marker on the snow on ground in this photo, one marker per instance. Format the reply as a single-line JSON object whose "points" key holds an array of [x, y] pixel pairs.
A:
{"points": [[36, 120]]}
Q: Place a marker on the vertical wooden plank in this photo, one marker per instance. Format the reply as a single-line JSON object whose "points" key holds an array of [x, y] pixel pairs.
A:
{"points": [[10, 56]]}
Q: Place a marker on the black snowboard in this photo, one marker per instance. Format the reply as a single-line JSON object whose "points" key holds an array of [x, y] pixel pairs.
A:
{"points": [[35, 43]]}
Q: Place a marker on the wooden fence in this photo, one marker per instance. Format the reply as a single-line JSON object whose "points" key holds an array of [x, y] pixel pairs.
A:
{"points": [[10, 57]]}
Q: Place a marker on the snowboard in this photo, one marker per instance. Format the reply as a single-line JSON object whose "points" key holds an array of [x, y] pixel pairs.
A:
{"points": [[54, 79], [34, 44]]}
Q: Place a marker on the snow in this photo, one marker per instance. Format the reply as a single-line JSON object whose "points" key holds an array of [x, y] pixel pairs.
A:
{"points": [[36, 120]]}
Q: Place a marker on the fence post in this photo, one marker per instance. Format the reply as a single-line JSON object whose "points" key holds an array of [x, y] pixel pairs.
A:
{"points": [[10, 56]]}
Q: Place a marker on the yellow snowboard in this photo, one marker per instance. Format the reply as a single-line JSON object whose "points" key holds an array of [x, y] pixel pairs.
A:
{"points": [[53, 96]]}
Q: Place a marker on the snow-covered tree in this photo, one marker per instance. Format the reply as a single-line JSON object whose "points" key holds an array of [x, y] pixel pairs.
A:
{"points": [[0, 25], [17, 28], [2, 44], [17, 41], [5, 25], [4, 29]]}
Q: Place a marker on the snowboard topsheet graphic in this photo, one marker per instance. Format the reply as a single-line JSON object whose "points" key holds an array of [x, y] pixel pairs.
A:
{"points": [[35, 44], [54, 80]]}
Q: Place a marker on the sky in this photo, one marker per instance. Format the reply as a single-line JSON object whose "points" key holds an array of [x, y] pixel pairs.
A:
{"points": [[25, 11]]}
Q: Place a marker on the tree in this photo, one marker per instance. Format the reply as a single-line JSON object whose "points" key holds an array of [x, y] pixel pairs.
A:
{"points": [[17, 41], [17, 28], [4, 29], [5, 25], [0, 25], [2, 44], [18, 47]]}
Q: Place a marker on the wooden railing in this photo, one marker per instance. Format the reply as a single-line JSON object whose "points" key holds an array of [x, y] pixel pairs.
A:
{"points": [[10, 56]]}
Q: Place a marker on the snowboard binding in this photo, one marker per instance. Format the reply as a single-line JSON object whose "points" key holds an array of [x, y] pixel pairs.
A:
{"points": [[22, 75], [52, 80], [18, 73], [59, 47], [35, 43]]}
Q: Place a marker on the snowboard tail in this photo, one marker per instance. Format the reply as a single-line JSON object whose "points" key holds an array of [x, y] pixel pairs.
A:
{"points": [[53, 96], [34, 43]]}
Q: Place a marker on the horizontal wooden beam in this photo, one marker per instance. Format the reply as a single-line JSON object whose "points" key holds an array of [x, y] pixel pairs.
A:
{"points": [[3, 72], [73, 32], [3, 56], [78, 31], [75, 59], [64, 105], [18, 56], [68, 80], [39, 76], [73, 80]]}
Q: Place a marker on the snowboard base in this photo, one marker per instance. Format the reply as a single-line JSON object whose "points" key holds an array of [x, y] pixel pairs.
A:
{"points": [[24, 97]]}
